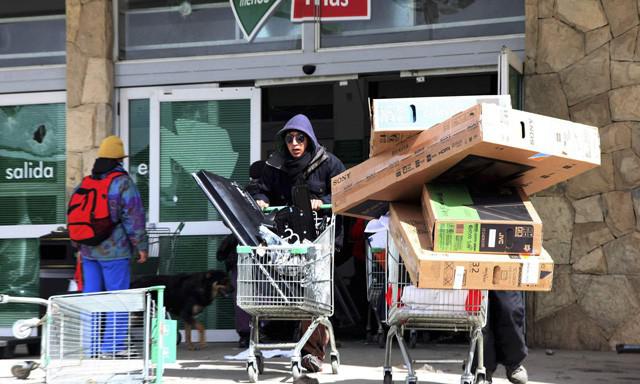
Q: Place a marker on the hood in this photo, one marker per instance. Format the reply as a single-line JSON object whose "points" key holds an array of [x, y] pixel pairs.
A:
{"points": [[300, 123]]}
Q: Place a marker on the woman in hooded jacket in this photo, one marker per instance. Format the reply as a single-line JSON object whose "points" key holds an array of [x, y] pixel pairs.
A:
{"points": [[301, 160]]}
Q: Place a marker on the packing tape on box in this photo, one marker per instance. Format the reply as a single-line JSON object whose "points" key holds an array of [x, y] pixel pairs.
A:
{"points": [[530, 270], [458, 278]]}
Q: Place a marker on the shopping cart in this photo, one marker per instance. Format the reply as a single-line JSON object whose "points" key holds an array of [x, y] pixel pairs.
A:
{"points": [[288, 282], [162, 243], [432, 309], [104, 337], [376, 269]]}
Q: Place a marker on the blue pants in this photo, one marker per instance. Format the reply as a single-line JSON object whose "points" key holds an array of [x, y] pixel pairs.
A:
{"points": [[102, 276]]}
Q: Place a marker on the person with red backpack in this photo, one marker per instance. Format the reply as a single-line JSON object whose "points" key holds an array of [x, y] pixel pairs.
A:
{"points": [[106, 220]]}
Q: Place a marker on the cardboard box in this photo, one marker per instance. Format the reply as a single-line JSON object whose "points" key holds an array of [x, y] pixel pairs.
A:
{"points": [[485, 144], [473, 219], [429, 269], [396, 120]]}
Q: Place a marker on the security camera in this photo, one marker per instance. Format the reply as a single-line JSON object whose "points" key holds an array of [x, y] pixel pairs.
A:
{"points": [[308, 69]]}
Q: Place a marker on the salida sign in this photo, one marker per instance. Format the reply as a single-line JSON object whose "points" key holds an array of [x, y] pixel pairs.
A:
{"points": [[29, 170], [305, 10]]}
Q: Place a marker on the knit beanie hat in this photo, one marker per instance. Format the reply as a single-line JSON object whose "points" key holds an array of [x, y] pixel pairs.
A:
{"points": [[111, 148]]}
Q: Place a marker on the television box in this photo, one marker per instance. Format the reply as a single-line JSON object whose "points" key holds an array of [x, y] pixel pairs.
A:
{"points": [[485, 144], [429, 269], [395, 120], [476, 219]]}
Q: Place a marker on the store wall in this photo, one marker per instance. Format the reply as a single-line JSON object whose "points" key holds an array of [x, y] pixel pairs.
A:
{"points": [[89, 49], [583, 64]]}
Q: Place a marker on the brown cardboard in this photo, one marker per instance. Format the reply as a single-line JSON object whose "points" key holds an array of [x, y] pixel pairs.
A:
{"points": [[429, 269], [460, 218], [494, 144], [399, 119]]}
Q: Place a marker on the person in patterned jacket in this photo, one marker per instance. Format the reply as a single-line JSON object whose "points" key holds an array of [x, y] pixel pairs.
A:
{"points": [[105, 267]]}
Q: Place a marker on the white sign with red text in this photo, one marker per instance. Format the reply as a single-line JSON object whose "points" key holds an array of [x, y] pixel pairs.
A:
{"points": [[308, 10]]}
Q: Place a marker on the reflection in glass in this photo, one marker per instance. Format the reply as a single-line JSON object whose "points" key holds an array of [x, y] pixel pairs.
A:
{"points": [[178, 28], [394, 21]]}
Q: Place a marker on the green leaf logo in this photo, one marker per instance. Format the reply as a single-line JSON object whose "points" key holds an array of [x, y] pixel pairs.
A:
{"points": [[252, 14]]}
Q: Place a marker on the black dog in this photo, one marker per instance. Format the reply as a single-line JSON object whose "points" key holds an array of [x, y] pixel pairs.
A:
{"points": [[187, 294]]}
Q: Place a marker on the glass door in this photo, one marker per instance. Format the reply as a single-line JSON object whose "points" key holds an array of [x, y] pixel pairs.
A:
{"points": [[172, 133], [510, 77]]}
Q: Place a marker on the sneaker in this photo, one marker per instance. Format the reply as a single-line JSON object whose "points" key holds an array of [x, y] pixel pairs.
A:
{"points": [[517, 375], [311, 363]]}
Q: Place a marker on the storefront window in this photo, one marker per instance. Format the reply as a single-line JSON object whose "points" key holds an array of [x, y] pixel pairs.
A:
{"points": [[139, 147], [19, 263], [194, 135], [178, 28], [32, 191], [32, 32], [32, 164], [394, 21]]}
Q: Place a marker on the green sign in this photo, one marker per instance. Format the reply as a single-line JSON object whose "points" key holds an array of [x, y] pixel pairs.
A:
{"points": [[251, 14]]}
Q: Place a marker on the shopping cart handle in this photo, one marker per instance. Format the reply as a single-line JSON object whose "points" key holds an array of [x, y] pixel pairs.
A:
{"points": [[279, 207], [6, 299]]}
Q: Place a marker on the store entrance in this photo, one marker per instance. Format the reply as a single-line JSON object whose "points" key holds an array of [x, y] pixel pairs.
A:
{"points": [[339, 109], [339, 112]]}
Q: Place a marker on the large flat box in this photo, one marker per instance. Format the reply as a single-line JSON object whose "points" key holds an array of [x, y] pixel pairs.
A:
{"points": [[429, 269], [484, 144], [396, 120], [477, 219]]}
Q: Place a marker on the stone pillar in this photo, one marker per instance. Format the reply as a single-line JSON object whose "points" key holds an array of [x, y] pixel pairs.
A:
{"points": [[89, 83], [583, 63]]}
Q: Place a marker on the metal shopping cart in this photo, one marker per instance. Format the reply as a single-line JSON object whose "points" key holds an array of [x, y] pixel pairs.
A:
{"points": [[376, 269], [432, 309], [162, 243], [104, 337], [288, 282]]}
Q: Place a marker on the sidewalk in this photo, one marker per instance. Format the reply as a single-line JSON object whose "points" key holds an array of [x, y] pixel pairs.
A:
{"points": [[361, 363]]}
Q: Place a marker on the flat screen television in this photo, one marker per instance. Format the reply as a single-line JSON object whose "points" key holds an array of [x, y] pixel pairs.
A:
{"points": [[239, 211]]}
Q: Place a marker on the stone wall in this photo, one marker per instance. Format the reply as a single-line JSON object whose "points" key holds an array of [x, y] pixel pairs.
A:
{"points": [[583, 64], [89, 49]]}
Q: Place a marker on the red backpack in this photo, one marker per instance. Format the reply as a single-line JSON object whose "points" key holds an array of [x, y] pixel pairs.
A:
{"points": [[88, 216]]}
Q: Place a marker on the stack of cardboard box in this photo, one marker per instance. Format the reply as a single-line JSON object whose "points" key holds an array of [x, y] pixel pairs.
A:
{"points": [[433, 177]]}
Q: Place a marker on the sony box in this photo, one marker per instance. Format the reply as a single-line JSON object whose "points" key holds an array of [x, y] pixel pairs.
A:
{"points": [[474, 219], [429, 269], [395, 120], [485, 144]]}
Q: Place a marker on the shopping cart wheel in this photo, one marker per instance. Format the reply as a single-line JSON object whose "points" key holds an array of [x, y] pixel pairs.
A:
{"points": [[252, 373], [295, 371], [260, 362], [22, 371], [413, 338], [335, 364], [387, 378]]}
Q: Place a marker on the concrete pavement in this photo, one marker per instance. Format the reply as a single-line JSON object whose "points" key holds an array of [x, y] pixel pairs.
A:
{"points": [[362, 363]]}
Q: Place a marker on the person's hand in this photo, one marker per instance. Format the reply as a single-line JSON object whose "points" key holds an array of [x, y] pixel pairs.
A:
{"points": [[262, 204], [315, 204], [142, 257]]}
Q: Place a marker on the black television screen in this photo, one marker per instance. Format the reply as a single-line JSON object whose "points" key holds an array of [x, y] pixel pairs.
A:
{"points": [[239, 211]]}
